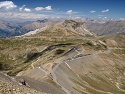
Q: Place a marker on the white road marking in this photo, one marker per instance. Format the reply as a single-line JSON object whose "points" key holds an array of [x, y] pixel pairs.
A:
{"points": [[68, 66], [43, 70]]}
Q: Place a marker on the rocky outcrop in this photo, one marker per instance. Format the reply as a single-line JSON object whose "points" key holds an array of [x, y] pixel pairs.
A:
{"points": [[9, 85]]}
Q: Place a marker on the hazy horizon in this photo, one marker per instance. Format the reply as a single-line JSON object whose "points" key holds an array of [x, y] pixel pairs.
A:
{"points": [[57, 9]]}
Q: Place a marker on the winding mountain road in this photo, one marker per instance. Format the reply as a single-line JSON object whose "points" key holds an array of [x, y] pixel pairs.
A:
{"points": [[96, 53]]}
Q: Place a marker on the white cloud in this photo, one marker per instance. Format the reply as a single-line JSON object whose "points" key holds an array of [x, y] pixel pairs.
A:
{"points": [[105, 17], [107, 10], [48, 8], [42, 8], [92, 11], [69, 12], [27, 10], [21, 8], [122, 18], [26, 15], [7, 5], [24, 9], [39, 8]]}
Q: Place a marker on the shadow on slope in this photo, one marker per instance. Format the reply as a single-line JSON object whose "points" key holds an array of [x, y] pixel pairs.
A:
{"points": [[32, 56]]}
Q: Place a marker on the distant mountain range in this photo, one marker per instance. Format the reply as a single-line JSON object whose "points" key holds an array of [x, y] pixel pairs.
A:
{"points": [[106, 27], [97, 27], [9, 29]]}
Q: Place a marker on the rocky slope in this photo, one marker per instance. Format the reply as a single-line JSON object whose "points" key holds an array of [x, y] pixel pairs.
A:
{"points": [[9, 85]]}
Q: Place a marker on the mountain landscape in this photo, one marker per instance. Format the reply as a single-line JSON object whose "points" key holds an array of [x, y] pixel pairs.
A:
{"points": [[63, 58], [62, 47]]}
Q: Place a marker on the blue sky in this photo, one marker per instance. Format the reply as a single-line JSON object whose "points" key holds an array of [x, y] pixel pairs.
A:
{"points": [[63, 8]]}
